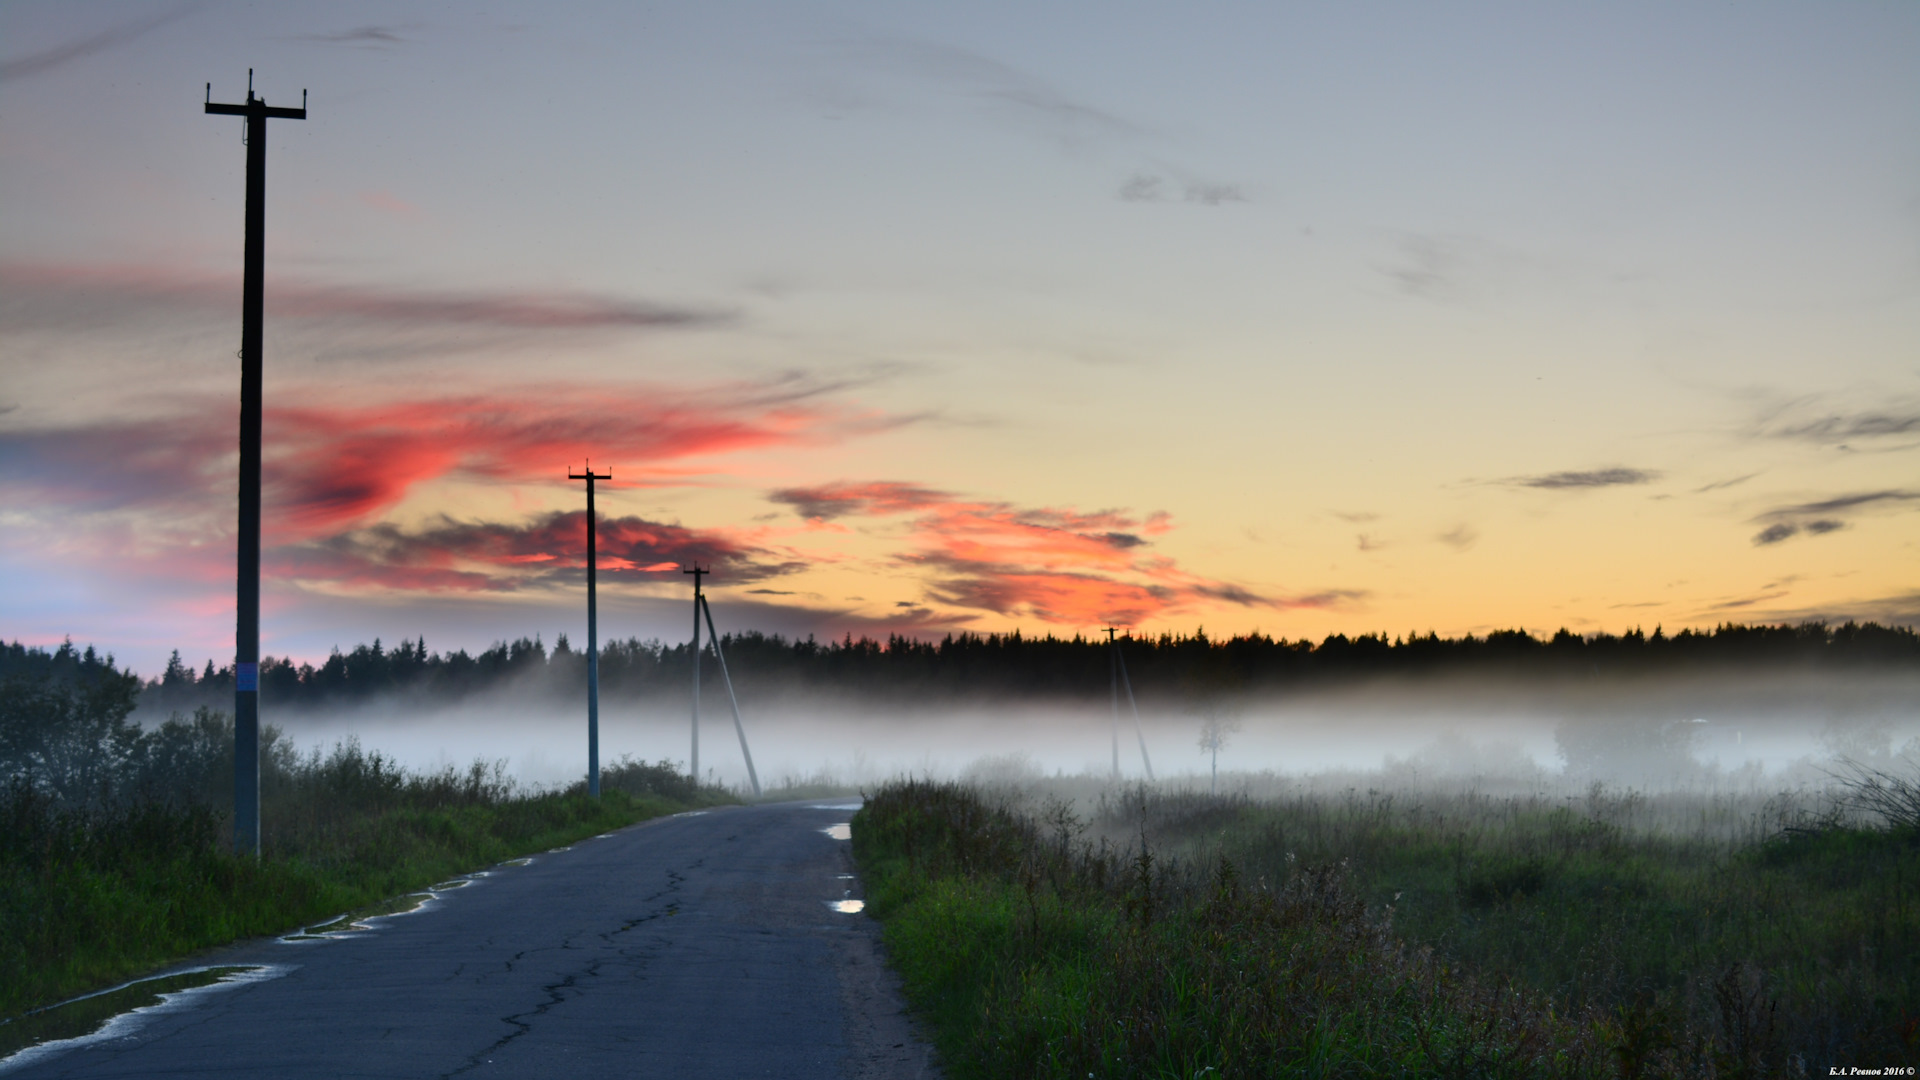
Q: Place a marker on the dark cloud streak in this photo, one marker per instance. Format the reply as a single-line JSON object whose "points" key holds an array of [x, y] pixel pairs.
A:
{"points": [[84, 296], [79, 49], [1836, 428], [1825, 515], [1578, 481], [373, 37]]}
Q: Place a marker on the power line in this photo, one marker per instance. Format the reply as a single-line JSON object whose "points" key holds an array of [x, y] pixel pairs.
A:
{"points": [[1120, 669], [738, 728]]}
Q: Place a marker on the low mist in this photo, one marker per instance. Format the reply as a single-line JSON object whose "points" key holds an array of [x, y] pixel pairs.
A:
{"points": [[1651, 733]]}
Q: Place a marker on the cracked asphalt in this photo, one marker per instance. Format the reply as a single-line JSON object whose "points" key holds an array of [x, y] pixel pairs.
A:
{"points": [[693, 946]]}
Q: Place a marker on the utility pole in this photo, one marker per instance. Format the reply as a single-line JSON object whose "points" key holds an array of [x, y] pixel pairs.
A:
{"points": [[246, 664], [593, 640], [697, 575], [1113, 681]]}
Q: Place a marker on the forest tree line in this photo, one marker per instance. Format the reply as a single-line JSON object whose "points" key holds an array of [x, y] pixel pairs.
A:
{"points": [[983, 665]]}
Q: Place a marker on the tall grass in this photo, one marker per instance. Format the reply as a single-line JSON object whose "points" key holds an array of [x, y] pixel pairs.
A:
{"points": [[1037, 954], [1424, 934], [1738, 926]]}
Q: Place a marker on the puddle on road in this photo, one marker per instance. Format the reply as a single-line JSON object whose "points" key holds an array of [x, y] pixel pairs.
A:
{"points": [[364, 919], [842, 831], [836, 806], [847, 907], [113, 1013], [357, 922]]}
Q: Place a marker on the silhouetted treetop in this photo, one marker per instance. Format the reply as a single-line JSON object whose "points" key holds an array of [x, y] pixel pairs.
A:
{"points": [[969, 664]]}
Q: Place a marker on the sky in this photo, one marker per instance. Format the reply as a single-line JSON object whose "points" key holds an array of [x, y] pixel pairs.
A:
{"points": [[1296, 318]]}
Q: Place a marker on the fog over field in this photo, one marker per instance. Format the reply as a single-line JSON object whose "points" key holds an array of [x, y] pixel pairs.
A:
{"points": [[1652, 732]]}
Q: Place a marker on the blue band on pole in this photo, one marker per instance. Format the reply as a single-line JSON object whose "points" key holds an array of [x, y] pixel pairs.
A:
{"points": [[246, 677]]}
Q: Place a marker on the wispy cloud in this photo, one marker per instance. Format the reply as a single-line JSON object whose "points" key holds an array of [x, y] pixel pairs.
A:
{"points": [[831, 501], [73, 294], [1719, 485], [1803, 421], [1459, 538], [1617, 476], [1825, 515], [1033, 105], [60, 55], [1894, 609], [1782, 530], [1742, 602], [1152, 187], [363, 37], [1846, 503], [1031, 102], [1429, 267]]}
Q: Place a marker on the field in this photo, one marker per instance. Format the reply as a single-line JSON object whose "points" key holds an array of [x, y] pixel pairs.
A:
{"points": [[1130, 932]]}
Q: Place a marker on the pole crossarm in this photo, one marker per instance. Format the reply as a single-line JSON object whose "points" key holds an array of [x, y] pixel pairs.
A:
{"points": [[255, 106], [246, 660]]}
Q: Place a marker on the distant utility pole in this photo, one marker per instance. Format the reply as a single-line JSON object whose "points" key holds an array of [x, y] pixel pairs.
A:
{"points": [[1113, 683], [1120, 668], [593, 640], [246, 666], [697, 575]]}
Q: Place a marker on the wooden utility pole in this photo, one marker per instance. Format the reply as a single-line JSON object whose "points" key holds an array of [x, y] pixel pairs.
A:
{"points": [[246, 665], [593, 640]]}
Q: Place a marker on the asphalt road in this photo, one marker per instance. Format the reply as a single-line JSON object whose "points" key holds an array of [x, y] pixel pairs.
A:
{"points": [[695, 946]]}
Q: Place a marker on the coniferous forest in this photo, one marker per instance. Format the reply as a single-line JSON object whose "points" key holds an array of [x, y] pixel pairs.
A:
{"points": [[1016, 664]]}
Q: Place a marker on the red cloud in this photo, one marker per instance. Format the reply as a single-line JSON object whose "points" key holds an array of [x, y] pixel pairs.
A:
{"points": [[331, 466], [1059, 565]]}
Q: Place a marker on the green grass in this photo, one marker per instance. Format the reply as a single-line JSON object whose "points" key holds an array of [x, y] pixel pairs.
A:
{"points": [[1430, 935], [1031, 954], [1767, 944], [91, 896]]}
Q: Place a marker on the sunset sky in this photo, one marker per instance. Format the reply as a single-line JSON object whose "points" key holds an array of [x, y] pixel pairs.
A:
{"points": [[1302, 318]]}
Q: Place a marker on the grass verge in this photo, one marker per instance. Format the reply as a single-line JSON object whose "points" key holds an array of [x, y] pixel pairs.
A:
{"points": [[91, 896]]}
